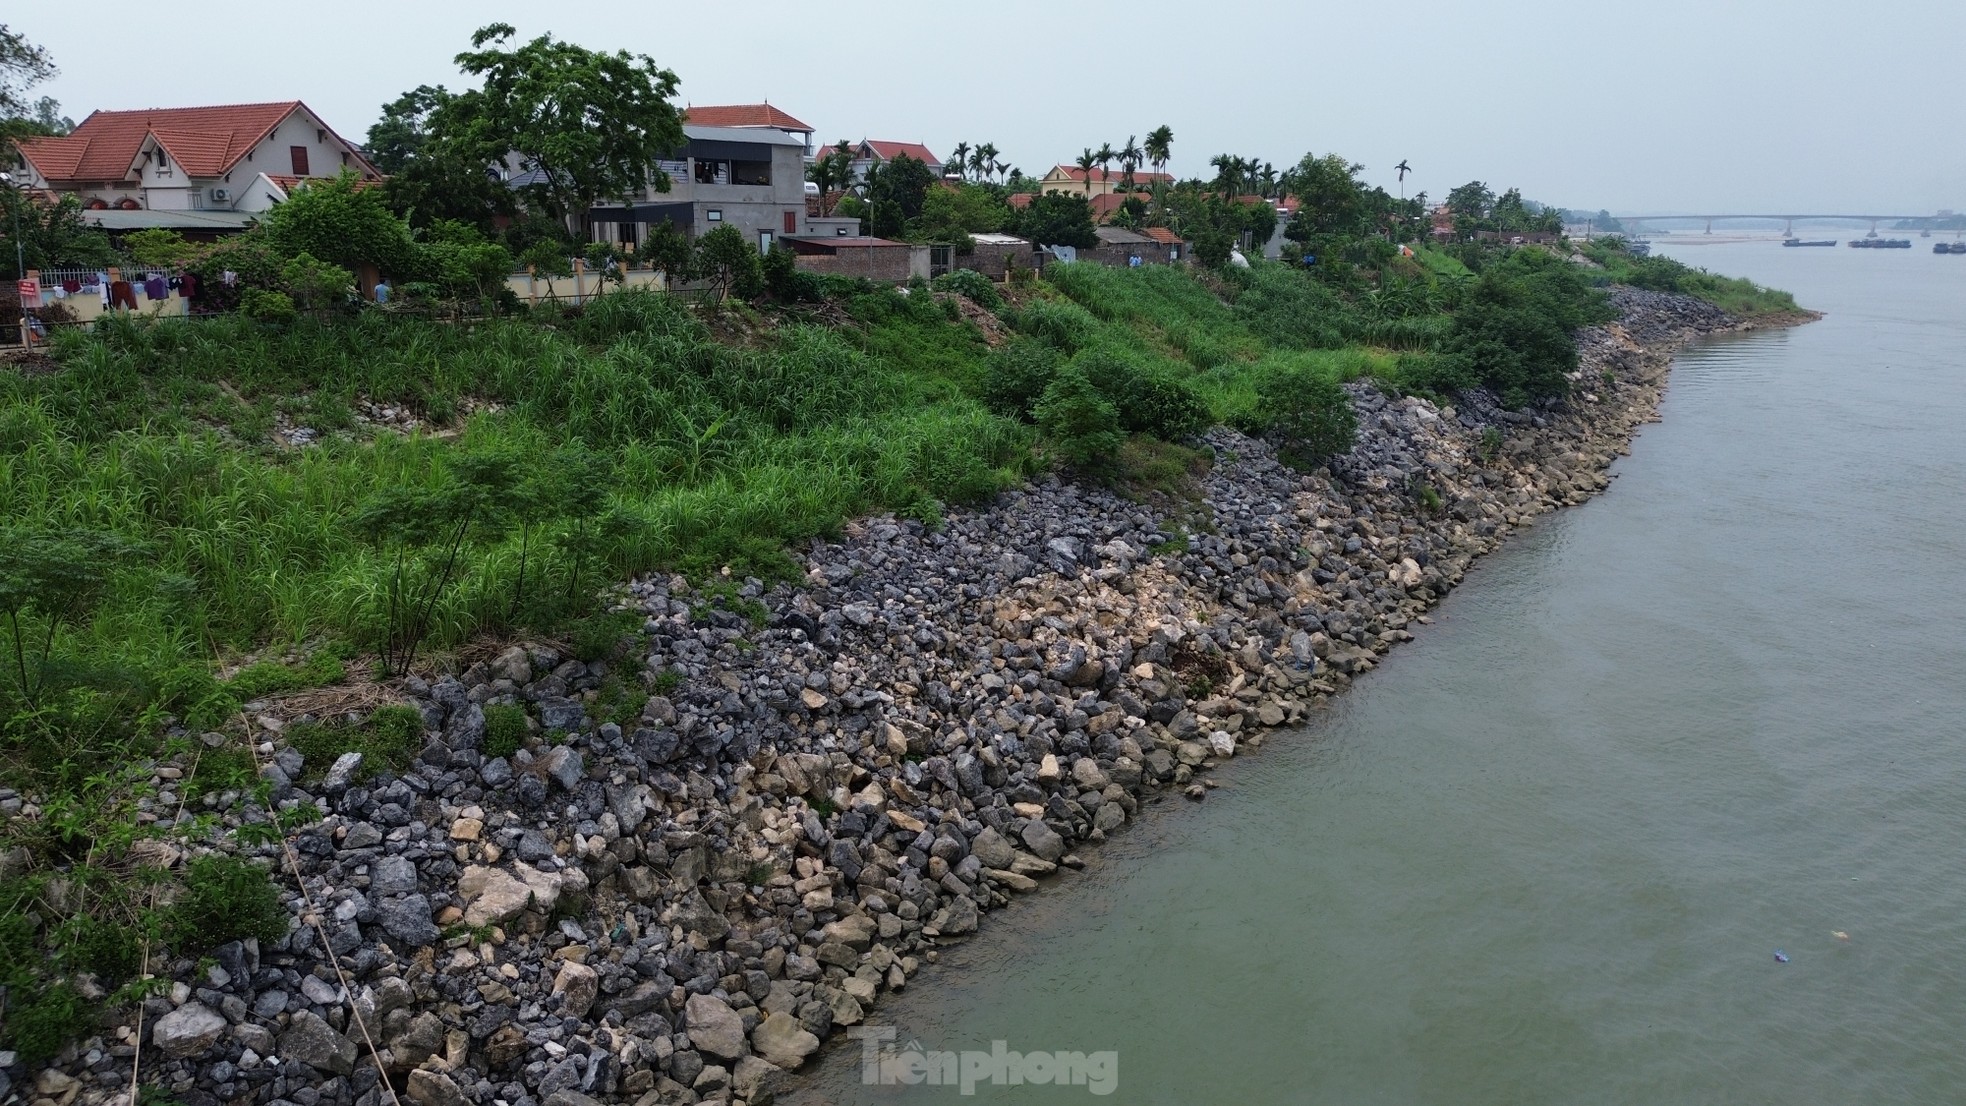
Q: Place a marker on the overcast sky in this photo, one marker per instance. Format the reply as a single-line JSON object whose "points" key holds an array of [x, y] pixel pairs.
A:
{"points": [[1666, 105]]}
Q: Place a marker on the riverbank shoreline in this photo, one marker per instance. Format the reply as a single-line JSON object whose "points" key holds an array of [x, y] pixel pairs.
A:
{"points": [[679, 907]]}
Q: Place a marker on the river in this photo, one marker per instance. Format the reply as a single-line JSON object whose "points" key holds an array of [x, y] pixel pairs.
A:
{"points": [[1548, 852]]}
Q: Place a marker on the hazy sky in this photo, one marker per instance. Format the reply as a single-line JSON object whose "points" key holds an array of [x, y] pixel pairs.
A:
{"points": [[1668, 105]]}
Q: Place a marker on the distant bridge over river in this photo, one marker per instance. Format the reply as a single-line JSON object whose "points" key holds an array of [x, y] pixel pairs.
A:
{"points": [[1633, 222]]}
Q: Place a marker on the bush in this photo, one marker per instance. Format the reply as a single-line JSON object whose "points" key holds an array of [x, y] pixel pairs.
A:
{"points": [[786, 282], [971, 285], [505, 730], [1310, 415], [1065, 325], [389, 740], [1149, 400], [1082, 424], [225, 898], [1018, 373], [267, 307]]}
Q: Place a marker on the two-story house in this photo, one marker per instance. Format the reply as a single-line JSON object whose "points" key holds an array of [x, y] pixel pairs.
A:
{"points": [[1098, 182], [202, 167], [751, 178], [869, 152]]}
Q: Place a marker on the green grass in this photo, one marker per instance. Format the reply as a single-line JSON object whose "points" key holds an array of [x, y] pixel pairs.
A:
{"points": [[1736, 296]]}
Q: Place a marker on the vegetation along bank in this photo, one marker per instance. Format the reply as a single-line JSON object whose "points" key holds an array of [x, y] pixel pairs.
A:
{"points": [[340, 769]]}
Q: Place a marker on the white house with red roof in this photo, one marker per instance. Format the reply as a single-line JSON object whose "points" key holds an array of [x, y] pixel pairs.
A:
{"points": [[218, 165], [869, 152]]}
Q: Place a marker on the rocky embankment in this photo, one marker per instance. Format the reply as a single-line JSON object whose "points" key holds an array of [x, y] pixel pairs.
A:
{"points": [[682, 908]]}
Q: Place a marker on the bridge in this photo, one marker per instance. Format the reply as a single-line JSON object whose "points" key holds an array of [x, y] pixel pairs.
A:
{"points": [[1788, 220]]}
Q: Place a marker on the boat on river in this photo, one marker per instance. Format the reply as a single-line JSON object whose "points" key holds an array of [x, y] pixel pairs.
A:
{"points": [[1949, 247], [1800, 242], [1880, 243]]}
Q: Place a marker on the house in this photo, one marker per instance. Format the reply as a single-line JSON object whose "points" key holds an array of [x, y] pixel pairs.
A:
{"points": [[751, 178], [869, 152], [745, 116], [1071, 178], [200, 168]]}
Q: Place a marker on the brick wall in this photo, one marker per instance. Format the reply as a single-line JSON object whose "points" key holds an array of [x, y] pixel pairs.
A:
{"points": [[877, 263], [991, 260]]}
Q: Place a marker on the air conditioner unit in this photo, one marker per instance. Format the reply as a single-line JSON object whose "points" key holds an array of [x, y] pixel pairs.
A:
{"points": [[221, 195]]}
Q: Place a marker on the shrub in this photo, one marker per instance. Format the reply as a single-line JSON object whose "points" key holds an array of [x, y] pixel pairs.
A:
{"points": [[225, 898], [1082, 423], [1310, 415], [1065, 325], [1017, 374], [505, 729], [786, 282], [971, 285], [267, 307], [1148, 400]]}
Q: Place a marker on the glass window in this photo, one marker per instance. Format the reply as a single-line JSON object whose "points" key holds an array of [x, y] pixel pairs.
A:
{"points": [[714, 215]]}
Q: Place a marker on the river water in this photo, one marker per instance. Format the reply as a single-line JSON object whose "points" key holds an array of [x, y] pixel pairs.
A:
{"points": [[1547, 852]]}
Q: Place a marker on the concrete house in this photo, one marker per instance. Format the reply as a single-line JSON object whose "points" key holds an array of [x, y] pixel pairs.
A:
{"points": [[751, 178], [200, 168]]}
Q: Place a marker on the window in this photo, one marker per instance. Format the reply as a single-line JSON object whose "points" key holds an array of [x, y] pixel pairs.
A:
{"points": [[299, 154], [714, 215], [839, 232], [712, 172], [750, 172], [791, 222], [764, 241]]}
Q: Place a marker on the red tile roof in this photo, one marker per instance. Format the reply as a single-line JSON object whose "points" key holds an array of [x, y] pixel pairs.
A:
{"points": [[1162, 235], [1020, 200], [888, 151], [742, 115], [204, 141], [1101, 176]]}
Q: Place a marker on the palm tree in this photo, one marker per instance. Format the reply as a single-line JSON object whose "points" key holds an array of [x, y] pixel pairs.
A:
{"points": [[1159, 148], [985, 157], [1130, 156], [1227, 168], [961, 160], [1086, 161], [1106, 156], [1268, 177]]}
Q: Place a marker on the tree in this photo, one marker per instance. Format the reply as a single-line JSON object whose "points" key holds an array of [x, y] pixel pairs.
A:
{"points": [[1058, 219], [1083, 424], [1086, 161], [22, 66], [1129, 155], [1470, 205], [898, 190], [833, 173], [1105, 157], [404, 129], [157, 248], [952, 214], [986, 160], [1159, 147], [593, 124], [343, 224], [52, 235], [729, 263], [959, 157]]}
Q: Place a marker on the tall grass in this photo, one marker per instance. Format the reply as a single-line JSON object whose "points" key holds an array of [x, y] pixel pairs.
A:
{"points": [[715, 454]]}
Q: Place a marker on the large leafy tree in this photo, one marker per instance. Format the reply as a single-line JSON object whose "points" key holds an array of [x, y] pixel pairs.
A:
{"points": [[592, 123], [1058, 219], [22, 66], [897, 191], [51, 235], [404, 131], [343, 224]]}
